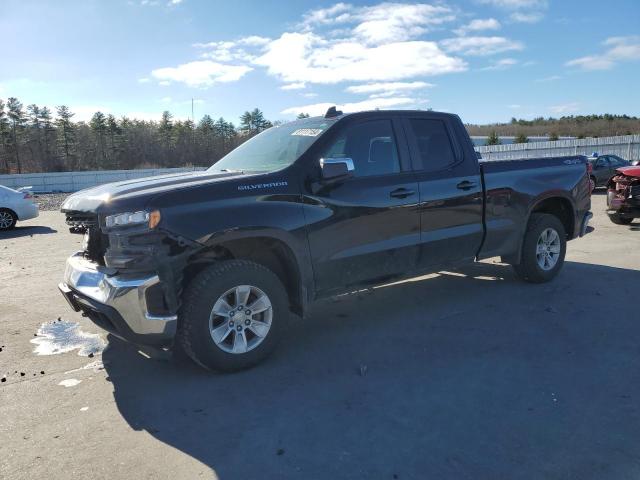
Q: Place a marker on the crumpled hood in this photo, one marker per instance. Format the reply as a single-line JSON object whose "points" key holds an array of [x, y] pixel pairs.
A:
{"points": [[629, 171], [90, 199]]}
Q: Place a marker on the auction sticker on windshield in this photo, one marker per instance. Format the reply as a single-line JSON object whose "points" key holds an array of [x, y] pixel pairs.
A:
{"points": [[307, 132]]}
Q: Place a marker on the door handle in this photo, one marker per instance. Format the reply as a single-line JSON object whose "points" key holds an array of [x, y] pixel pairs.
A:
{"points": [[466, 185], [402, 193]]}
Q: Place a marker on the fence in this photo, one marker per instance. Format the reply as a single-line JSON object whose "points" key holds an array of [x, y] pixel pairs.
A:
{"points": [[627, 147], [74, 181]]}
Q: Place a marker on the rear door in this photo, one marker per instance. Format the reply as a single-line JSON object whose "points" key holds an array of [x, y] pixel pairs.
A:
{"points": [[450, 191], [365, 228]]}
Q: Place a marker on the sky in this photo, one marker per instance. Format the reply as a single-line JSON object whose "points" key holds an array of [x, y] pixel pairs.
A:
{"points": [[486, 60]]}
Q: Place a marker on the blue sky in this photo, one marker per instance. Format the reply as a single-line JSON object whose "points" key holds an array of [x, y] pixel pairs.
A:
{"points": [[487, 60]]}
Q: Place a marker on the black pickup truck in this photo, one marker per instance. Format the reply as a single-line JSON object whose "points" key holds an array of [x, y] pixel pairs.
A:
{"points": [[212, 263]]}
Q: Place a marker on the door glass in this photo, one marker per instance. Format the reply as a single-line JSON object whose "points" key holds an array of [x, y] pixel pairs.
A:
{"points": [[434, 145], [372, 147]]}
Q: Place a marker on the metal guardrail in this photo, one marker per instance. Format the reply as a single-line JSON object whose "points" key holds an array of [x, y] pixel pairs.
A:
{"points": [[626, 146], [68, 182]]}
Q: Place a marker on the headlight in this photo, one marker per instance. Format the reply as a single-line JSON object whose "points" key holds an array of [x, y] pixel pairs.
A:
{"points": [[135, 218]]}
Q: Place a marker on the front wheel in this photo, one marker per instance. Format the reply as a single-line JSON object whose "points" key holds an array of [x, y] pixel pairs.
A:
{"points": [[543, 249], [233, 315], [618, 220]]}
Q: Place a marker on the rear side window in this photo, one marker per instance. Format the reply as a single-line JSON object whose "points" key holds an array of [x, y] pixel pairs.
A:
{"points": [[372, 147], [433, 143]]}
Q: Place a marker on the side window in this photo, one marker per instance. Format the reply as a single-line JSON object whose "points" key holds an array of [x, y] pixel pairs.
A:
{"points": [[372, 147], [603, 162], [434, 145]]}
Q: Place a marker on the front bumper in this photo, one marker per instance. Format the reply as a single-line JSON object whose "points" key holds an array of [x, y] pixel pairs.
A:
{"points": [[117, 303]]}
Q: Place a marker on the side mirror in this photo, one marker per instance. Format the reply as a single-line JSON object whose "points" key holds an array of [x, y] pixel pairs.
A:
{"points": [[333, 168]]}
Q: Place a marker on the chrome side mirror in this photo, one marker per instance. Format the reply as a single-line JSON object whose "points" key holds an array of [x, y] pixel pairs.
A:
{"points": [[336, 167]]}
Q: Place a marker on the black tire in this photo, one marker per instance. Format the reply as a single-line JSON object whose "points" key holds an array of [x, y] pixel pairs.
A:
{"points": [[528, 269], [618, 220], [13, 218], [194, 335], [593, 183]]}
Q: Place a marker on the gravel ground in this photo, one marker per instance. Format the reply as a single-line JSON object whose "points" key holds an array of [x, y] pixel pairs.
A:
{"points": [[50, 201]]}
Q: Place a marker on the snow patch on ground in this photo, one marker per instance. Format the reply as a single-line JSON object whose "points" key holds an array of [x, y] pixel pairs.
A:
{"points": [[70, 382], [95, 366], [61, 337]]}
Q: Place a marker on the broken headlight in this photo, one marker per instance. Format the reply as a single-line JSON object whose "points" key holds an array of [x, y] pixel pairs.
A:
{"points": [[133, 218]]}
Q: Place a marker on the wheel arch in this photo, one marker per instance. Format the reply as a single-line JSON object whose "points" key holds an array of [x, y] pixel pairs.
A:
{"points": [[269, 250]]}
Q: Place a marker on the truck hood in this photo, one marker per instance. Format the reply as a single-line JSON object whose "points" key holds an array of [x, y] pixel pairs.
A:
{"points": [[140, 189]]}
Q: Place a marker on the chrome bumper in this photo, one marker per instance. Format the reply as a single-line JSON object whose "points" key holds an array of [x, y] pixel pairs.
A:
{"points": [[125, 295]]}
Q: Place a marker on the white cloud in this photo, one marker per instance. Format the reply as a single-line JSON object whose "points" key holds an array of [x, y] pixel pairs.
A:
{"points": [[620, 49], [564, 108], [165, 99], [502, 64], [480, 46], [202, 73], [369, 104], [293, 86], [174, 2], [144, 80], [394, 22], [307, 57], [477, 25], [515, 4], [338, 13], [309, 94], [531, 17], [388, 87]]}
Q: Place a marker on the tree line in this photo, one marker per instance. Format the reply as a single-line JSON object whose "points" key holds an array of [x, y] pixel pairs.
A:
{"points": [[33, 140], [579, 126]]}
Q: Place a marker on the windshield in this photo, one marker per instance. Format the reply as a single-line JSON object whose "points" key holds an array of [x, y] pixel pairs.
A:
{"points": [[273, 149]]}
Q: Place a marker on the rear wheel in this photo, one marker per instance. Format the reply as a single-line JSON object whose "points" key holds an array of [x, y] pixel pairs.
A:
{"points": [[618, 220], [8, 219], [233, 315], [592, 183], [543, 249]]}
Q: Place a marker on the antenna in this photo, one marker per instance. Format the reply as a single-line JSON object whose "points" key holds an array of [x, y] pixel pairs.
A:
{"points": [[193, 119]]}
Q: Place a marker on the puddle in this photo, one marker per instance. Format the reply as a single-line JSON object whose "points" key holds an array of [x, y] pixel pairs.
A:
{"points": [[62, 337], [95, 366], [70, 382]]}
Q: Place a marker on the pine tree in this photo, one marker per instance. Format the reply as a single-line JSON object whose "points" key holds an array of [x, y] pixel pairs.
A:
{"points": [[521, 138], [67, 135], [252, 123], [4, 138], [114, 133], [98, 125], [302, 115], [493, 139], [48, 135], [553, 137], [17, 118]]}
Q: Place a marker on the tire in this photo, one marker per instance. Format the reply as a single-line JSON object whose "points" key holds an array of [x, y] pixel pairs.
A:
{"points": [[618, 220], [592, 183], [198, 324], [8, 219], [529, 268]]}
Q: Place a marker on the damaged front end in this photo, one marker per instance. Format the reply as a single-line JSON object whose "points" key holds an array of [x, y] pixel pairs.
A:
{"points": [[127, 278], [623, 195]]}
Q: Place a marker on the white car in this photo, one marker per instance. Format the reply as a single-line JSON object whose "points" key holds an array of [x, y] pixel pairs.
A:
{"points": [[15, 205]]}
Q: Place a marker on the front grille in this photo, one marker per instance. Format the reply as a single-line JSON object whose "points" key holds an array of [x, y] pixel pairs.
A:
{"points": [[80, 222], [96, 243]]}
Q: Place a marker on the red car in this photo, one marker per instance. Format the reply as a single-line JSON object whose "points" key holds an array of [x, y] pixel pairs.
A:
{"points": [[623, 195]]}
